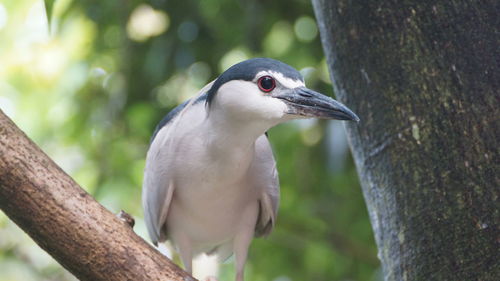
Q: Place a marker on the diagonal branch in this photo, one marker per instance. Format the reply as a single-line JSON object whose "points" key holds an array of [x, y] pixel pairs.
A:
{"points": [[63, 219]]}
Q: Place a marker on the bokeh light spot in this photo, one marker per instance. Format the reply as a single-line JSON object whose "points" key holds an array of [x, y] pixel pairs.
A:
{"points": [[279, 39], [232, 57], [49, 62], [199, 72], [188, 31], [146, 22], [305, 29], [3, 16]]}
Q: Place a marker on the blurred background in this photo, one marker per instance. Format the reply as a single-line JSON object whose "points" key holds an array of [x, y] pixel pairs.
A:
{"points": [[89, 82]]}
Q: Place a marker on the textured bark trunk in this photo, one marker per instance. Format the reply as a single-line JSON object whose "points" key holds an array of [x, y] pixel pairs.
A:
{"points": [[67, 222], [423, 76]]}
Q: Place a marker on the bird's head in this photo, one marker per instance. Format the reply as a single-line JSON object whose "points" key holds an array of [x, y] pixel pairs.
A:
{"points": [[269, 90]]}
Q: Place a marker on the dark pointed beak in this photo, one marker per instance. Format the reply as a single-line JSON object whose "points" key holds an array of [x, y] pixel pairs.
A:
{"points": [[305, 102]]}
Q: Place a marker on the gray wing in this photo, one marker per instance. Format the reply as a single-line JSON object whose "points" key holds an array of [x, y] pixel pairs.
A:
{"points": [[158, 186], [267, 176]]}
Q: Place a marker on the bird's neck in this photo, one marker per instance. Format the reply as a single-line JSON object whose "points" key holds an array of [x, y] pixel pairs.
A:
{"points": [[230, 144], [231, 134]]}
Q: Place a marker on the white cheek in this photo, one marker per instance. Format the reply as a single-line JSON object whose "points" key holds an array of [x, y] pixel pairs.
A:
{"points": [[273, 108], [243, 99]]}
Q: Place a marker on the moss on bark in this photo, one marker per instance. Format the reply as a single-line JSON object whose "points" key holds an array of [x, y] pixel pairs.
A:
{"points": [[424, 79]]}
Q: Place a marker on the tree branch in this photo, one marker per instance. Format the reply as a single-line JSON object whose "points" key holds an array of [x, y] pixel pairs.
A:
{"points": [[63, 219]]}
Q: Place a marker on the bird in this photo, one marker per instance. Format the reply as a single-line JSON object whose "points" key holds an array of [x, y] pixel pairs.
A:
{"points": [[210, 179]]}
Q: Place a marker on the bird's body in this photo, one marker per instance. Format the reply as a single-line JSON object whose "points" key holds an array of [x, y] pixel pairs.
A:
{"points": [[212, 204], [210, 180]]}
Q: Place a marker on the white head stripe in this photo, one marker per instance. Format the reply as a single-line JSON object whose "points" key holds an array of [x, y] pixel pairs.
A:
{"points": [[285, 81]]}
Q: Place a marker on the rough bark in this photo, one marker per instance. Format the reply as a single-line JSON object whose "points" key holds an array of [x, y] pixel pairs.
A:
{"points": [[423, 76], [84, 237]]}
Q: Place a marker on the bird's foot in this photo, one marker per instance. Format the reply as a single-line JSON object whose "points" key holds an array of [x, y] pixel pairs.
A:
{"points": [[211, 278]]}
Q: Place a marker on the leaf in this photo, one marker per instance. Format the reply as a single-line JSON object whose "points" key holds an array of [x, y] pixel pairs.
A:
{"points": [[49, 5]]}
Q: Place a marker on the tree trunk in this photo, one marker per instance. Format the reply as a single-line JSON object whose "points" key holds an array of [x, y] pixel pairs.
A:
{"points": [[424, 78], [84, 237]]}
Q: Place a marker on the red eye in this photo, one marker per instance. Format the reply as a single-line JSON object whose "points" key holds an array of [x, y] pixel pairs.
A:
{"points": [[266, 83]]}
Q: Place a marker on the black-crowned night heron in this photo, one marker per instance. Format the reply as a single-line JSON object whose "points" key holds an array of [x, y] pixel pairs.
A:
{"points": [[210, 182]]}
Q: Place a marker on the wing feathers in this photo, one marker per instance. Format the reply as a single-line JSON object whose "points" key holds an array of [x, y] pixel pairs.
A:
{"points": [[266, 177], [158, 187]]}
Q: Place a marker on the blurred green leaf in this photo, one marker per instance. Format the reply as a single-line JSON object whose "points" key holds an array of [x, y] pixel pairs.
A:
{"points": [[49, 6]]}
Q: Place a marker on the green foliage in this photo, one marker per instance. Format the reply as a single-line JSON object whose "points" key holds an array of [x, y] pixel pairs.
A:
{"points": [[91, 91]]}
